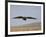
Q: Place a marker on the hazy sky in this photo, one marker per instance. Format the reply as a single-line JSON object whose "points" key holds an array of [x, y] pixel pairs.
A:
{"points": [[21, 10]]}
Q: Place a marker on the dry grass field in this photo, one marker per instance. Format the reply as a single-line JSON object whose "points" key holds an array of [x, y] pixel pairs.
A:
{"points": [[27, 27]]}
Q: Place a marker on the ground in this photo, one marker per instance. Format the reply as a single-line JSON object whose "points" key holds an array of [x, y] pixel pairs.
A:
{"points": [[27, 27]]}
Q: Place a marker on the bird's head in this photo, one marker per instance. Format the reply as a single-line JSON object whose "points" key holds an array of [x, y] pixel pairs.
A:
{"points": [[24, 19]]}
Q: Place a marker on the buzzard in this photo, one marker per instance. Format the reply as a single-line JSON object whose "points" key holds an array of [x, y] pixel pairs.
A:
{"points": [[24, 18]]}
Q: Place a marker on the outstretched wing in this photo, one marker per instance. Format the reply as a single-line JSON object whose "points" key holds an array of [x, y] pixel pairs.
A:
{"points": [[19, 17], [30, 17]]}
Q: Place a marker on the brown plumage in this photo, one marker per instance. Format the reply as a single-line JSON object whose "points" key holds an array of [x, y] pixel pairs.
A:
{"points": [[24, 18]]}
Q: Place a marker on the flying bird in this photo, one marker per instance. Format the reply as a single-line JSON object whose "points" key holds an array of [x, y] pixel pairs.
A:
{"points": [[24, 18]]}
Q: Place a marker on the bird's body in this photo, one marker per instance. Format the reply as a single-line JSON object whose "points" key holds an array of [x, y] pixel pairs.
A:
{"points": [[24, 18]]}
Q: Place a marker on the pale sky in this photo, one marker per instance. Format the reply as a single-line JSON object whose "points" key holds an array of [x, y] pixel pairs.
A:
{"points": [[21, 10]]}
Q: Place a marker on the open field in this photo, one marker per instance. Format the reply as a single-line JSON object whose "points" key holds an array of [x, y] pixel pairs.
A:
{"points": [[27, 27]]}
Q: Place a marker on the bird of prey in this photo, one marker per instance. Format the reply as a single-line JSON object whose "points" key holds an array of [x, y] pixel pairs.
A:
{"points": [[24, 18]]}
